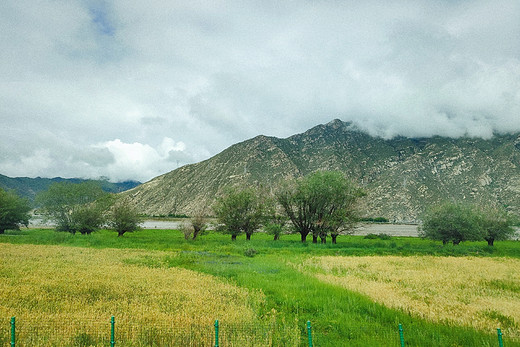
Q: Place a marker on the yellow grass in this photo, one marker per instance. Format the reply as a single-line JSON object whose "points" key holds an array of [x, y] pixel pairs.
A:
{"points": [[72, 287], [483, 293]]}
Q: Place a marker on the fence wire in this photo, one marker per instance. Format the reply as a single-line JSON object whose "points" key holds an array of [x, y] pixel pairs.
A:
{"points": [[131, 333], [137, 333]]}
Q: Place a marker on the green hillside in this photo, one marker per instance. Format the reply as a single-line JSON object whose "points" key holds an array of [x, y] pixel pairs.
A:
{"points": [[29, 187]]}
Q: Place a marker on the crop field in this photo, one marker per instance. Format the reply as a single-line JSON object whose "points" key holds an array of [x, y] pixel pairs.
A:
{"points": [[66, 286], [167, 291], [483, 293]]}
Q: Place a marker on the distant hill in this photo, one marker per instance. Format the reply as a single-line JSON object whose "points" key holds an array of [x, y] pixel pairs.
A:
{"points": [[402, 175], [29, 187]]}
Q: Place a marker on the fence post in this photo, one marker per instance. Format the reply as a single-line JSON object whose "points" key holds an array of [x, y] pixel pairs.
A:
{"points": [[112, 332], [401, 335], [499, 333], [13, 331], [216, 333], [309, 333]]}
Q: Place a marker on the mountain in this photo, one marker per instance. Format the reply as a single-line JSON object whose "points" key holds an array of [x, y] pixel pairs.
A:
{"points": [[402, 175], [29, 187]]}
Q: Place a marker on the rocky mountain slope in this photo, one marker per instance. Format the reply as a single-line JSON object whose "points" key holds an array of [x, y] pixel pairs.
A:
{"points": [[401, 176]]}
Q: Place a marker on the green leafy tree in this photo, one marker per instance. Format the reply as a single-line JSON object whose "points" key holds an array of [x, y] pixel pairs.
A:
{"points": [[323, 203], [87, 218], [124, 218], [452, 222], [74, 207], [239, 210], [275, 223], [14, 211], [496, 224]]}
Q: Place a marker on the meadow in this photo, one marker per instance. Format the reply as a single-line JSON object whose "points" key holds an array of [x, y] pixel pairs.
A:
{"points": [[355, 293]]}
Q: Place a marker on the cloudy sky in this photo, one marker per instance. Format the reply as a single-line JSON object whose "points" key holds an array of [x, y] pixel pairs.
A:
{"points": [[131, 89]]}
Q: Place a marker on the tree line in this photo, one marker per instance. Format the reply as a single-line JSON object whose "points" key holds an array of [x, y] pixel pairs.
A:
{"points": [[72, 207], [323, 204], [456, 222]]}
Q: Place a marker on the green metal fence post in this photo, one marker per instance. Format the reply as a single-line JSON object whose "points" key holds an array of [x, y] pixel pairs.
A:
{"points": [[401, 335], [216, 333], [309, 333], [112, 332], [13, 331], [499, 333]]}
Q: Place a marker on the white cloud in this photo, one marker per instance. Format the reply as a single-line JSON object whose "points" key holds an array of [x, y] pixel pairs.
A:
{"points": [[140, 161], [80, 73]]}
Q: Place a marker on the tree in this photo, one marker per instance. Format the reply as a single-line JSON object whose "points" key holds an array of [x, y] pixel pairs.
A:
{"points": [[452, 222], [199, 224], [274, 222], [496, 224], [14, 211], [87, 218], [239, 210], [322, 203], [124, 218], [196, 226], [74, 207]]}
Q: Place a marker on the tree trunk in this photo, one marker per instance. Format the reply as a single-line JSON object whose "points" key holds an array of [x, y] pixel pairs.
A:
{"points": [[323, 239], [276, 237], [314, 239], [304, 237], [248, 237], [120, 233], [456, 242], [2, 231], [233, 237], [334, 238], [490, 242]]}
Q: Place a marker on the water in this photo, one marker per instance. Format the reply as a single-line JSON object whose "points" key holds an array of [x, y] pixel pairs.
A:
{"points": [[363, 229]]}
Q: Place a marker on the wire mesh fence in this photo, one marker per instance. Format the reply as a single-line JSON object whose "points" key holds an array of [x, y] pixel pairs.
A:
{"points": [[412, 335], [127, 332]]}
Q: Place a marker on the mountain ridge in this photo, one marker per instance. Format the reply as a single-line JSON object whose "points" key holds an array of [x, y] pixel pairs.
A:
{"points": [[28, 187], [401, 175]]}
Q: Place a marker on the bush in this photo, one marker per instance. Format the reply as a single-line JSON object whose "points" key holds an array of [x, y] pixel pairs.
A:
{"points": [[375, 220], [250, 252], [380, 236]]}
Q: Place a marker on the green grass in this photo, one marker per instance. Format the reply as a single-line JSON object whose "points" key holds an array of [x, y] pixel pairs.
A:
{"points": [[155, 239], [339, 317]]}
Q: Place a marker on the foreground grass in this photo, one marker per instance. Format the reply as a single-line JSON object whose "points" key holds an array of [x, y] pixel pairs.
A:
{"points": [[339, 316]]}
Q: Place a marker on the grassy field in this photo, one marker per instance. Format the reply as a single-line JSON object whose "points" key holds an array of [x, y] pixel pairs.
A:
{"points": [[155, 276]]}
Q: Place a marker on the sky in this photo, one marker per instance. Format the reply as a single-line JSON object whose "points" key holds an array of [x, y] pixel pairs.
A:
{"points": [[131, 89]]}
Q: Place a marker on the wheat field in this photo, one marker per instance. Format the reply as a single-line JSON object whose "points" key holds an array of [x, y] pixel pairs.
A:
{"points": [[483, 293], [69, 294]]}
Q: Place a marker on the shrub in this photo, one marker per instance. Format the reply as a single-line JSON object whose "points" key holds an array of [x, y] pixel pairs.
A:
{"points": [[250, 252]]}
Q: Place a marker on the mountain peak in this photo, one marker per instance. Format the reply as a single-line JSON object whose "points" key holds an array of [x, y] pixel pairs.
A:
{"points": [[402, 176]]}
